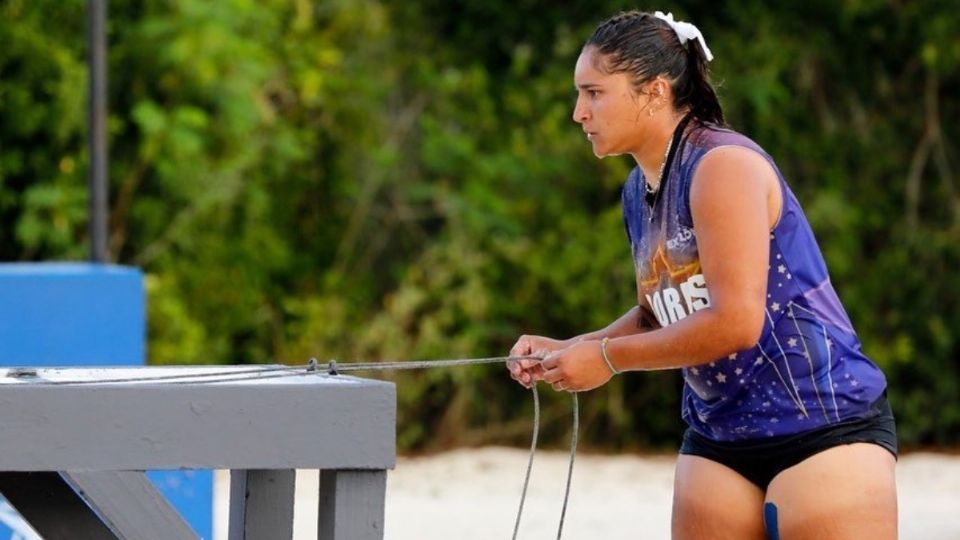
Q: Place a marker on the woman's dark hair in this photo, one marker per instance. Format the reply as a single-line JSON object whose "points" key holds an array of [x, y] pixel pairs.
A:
{"points": [[643, 46]]}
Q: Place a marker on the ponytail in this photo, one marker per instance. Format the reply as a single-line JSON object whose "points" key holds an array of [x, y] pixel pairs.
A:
{"points": [[693, 88]]}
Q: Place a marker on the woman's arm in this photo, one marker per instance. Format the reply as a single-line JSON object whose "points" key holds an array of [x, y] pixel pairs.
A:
{"points": [[634, 321], [730, 201]]}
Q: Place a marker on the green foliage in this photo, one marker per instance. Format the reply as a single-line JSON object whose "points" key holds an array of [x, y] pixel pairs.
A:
{"points": [[401, 180]]}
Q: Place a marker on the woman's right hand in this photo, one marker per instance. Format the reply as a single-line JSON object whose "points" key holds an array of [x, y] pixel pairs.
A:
{"points": [[528, 371]]}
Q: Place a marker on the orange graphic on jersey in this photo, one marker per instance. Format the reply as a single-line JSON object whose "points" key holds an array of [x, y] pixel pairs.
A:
{"points": [[659, 265]]}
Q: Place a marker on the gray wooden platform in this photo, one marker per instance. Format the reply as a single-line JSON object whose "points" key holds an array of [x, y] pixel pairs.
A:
{"points": [[85, 447]]}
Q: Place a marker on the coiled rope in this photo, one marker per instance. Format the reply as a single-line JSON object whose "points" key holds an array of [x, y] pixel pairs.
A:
{"points": [[333, 368]]}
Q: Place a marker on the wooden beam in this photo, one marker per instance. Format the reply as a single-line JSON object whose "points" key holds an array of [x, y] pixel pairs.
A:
{"points": [[305, 422], [352, 504], [130, 504]]}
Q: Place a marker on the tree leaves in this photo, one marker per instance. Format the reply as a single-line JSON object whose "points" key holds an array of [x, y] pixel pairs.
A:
{"points": [[402, 180]]}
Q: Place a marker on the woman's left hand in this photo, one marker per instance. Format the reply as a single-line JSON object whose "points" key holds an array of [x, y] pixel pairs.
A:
{"points": [[577, 368]]}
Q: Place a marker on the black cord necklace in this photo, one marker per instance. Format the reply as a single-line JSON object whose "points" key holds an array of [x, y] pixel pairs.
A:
{"points": [[653, 198]]}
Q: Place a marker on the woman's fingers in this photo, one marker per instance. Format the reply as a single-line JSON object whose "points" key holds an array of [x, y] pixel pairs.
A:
{"points": [[552, 371], [542, 352], [551, 361], [538, 346], [522, 374], [523, 346], [517, 366], [528, 351], [552, 376], [528, 364]]}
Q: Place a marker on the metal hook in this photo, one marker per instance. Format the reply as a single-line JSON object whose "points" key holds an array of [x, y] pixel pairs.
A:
{"points": [[23, 372]]}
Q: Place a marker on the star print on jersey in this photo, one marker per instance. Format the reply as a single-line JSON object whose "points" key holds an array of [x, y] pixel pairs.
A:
{"points": [[807, 369]]}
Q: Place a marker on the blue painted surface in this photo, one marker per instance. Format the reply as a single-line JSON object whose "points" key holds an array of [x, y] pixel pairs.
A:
{"points": [[83, 314], [71, 314], [191, 493], [770, 521]]}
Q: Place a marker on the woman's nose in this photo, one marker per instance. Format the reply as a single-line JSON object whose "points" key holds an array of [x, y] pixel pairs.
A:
{"points": [[579, 112]]}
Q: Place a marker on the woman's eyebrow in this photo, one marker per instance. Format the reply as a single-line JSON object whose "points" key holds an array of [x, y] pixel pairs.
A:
{"points": [[586, 86]]}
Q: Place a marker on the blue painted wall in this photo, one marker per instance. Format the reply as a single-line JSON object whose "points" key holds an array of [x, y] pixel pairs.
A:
{"points": [[71, 314], [81, 314]]}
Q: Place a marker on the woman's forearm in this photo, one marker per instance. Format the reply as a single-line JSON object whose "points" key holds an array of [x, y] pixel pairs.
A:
{"points": [[699, 338], [631, 322]]}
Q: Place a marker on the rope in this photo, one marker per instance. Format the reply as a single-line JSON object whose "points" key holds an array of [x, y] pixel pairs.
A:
{"points": [[533, 450], [333, 368], [573, 455], [212, 376], [270, 372]]}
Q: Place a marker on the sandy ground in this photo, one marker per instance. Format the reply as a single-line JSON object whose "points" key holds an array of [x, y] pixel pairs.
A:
{"points": [[473, 495]]}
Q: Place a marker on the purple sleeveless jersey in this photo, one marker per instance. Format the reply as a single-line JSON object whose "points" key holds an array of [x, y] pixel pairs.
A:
{"points": [[807, 370]]}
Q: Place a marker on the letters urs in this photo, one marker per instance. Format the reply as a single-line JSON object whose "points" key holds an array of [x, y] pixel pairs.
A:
{"points": [[670, 304]]}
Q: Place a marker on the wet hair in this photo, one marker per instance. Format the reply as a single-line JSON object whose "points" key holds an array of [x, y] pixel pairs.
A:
{"points": [[643, 47]]}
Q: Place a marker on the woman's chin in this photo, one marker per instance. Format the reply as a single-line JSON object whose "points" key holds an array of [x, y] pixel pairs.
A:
{"points": [[599, 150], [602, 151]]}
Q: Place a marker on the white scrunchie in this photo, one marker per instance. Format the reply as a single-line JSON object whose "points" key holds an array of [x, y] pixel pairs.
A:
{"points": [[685, 31]]}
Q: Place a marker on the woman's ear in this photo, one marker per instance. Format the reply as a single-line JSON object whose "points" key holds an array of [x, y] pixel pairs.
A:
{"points": [[660, 87], [656, 89]]}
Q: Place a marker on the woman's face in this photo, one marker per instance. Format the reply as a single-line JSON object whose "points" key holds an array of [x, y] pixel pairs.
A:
{"points": [[609, 110]]}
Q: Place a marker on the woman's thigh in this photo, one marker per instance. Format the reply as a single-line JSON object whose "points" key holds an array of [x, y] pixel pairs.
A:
{"points": [[713, 502], [846, 492]]}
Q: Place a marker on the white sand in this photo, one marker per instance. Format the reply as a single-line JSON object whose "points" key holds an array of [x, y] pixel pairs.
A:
{"points": [[473, 495]]}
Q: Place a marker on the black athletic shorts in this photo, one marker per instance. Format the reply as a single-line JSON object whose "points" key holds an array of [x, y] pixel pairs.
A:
{"points": [[761, 460]]}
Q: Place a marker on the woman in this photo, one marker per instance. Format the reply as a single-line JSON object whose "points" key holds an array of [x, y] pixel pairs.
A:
{"points": [[789, 431]]}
